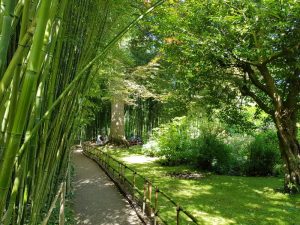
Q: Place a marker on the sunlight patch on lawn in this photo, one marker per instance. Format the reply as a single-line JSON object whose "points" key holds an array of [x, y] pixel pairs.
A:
{"points": [[138, 159], [253, 205], [208, 218]]}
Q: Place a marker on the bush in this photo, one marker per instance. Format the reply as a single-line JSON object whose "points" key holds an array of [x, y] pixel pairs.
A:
{"points": [[174, 142], [212, 154], [151, 148], [264, 155], [239, 153], [183, 141]]}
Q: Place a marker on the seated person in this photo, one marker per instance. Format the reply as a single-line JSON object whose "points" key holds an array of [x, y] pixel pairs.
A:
{"points": [[99, 140]]}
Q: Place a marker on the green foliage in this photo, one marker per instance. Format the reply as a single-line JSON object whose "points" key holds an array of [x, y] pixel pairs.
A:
{"points": [[212, 154], [174, 141], [209, 147], [239, 153], [184, 141], [264, 155]]}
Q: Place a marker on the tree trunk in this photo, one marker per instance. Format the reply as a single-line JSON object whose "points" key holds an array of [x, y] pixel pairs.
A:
{"points": [[290, 151], [117, 127]]}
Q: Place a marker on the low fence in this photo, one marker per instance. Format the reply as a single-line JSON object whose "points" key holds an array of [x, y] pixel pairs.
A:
{"points": [[150, 201]]}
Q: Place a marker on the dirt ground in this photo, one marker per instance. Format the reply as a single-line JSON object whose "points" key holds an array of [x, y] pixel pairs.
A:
{"points": [[96, 199]]}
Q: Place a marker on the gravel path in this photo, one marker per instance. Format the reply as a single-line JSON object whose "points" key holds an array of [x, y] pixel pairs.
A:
{"points": [[97, 201]]}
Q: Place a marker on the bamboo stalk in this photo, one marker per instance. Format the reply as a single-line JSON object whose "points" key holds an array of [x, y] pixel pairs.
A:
{"points": [[6, 31], [23, 103]]}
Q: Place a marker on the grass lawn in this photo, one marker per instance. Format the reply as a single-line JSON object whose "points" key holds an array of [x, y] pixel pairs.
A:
{"points": [[216, 199]]}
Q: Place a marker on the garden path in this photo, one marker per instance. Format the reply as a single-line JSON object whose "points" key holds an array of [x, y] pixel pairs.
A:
{"points": [[97, 201]]}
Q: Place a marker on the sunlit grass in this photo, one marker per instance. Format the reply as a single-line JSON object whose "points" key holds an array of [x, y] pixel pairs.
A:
{"points": [[216, 199]]}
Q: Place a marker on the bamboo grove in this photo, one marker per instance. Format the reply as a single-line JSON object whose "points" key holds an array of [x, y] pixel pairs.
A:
{"points": [[48, 49], [43, 45]]}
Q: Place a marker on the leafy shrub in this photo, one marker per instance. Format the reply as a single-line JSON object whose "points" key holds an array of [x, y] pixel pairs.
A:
{"points": [[183, 142], [151, 148], [213, 154], [209, 147], [263, 155], [278, 170], [239, 153], [174, 142]]}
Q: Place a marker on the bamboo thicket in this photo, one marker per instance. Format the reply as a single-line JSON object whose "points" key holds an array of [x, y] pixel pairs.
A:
{"points": [[44, 46], [47, 50]]}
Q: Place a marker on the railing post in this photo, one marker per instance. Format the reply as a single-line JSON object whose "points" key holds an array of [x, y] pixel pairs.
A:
{"points": [[62, 205], [107, 162], [120, 168], [144, 197], [149, 198], [178, 215], [100, 158], [133, 183], [156, 205], [123, 173]]}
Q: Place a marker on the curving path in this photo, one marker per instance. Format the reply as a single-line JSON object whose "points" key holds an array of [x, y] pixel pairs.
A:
{"points": [[97, 201]]}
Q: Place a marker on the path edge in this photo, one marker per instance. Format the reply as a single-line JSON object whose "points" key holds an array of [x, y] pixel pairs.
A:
{"points": [[144, 219]]}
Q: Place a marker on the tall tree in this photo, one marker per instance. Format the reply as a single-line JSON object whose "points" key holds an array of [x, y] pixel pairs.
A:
{"points": [[247, 46]]}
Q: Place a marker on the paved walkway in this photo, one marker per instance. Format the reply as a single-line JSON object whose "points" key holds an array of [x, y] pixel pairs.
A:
{"points": [[97, 201]]}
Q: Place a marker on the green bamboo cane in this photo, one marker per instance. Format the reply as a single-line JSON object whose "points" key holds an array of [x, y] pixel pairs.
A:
{"points": [[16, 62], [6, 32], [38, 180], [19, 186], [21, 193], [53, 158], [51, 84], [60, 119], [95, 38], [38, 200], [25, 18], [1, 14], [23, 103], [15, 190], [17, 14], [41, 152], [67, 128], [8, 75], [2, 115], [5, 111]]}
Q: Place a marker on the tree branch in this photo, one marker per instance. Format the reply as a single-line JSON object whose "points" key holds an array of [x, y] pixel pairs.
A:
{"points": [[294, 91], [270, 84], [246, 92], [284, 51], [254, 80]]}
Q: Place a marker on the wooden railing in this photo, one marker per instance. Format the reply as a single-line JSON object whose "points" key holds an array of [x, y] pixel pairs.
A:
{"points": [[149, 200]]}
